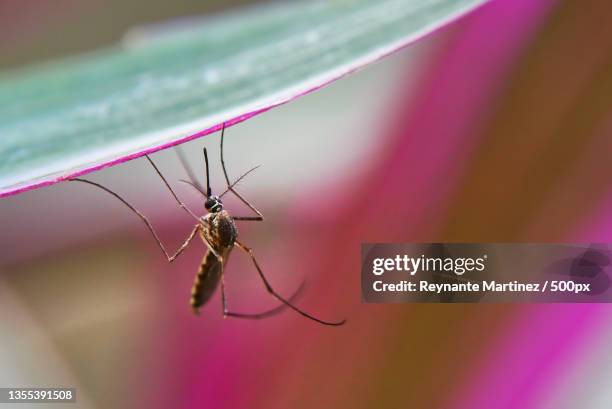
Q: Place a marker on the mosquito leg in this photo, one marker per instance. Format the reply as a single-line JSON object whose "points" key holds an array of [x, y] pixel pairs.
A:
{"points": [[181, 204], [259, 216], [145, 220], [260, 315], [238, 180], [222, 160], [271, 290], [223, 298], [180, 250], [230, 187], [212, 250]]}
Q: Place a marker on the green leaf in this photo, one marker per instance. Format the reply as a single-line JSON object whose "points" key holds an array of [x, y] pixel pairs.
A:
{"points": [[165, 86]]}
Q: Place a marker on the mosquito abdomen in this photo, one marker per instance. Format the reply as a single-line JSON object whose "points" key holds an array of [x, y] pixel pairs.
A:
{"points": [[206, 281]]}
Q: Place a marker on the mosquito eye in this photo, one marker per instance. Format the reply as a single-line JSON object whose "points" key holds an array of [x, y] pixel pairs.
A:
{"points": [[213, 204]]}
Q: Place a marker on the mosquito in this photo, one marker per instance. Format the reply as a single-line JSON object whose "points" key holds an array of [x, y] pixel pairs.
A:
{"points": [[217, 229]]}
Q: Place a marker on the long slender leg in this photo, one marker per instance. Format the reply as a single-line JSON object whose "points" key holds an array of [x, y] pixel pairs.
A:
{"points": [[248, 218], [256, 316], [196, 228], [259, 216], [223, 297], [180, 203], [212, 250], [271, 290], [230, 187], [145, 220], [238, 180]]}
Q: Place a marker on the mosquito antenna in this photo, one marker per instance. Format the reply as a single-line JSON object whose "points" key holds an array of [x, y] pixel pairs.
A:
{"points": [[196, 186], [208, 190], [238, 180], [188, 169]]}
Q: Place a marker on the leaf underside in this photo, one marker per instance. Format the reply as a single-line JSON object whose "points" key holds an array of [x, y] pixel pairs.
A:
{"points": [[164, 86]]}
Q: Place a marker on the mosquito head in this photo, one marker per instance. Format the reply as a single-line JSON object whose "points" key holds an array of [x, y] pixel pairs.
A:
{"points": [[213, 204]]}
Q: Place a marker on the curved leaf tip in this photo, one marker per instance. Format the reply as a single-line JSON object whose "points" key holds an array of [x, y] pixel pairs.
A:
{"points": [[74, 117]]}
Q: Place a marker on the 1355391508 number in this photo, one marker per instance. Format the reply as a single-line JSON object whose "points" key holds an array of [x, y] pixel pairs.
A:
{"points": [[33, 395]]}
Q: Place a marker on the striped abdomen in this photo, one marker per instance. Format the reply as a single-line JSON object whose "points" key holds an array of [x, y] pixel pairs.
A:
{"points": [[206, 281], [220, 233]]}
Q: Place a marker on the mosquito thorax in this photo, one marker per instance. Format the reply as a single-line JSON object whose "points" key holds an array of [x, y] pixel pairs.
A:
{"points": [[213, 204]]}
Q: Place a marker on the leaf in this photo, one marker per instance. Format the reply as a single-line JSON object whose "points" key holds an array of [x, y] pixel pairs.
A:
{"points": [[157, 90]]}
